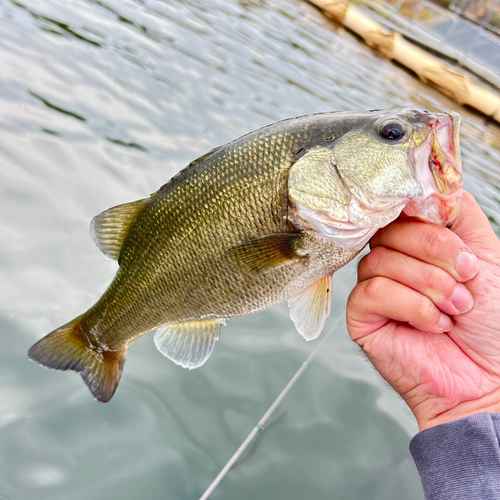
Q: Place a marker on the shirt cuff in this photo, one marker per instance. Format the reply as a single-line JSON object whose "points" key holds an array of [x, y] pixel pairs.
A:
{"points": [[460, 460]]}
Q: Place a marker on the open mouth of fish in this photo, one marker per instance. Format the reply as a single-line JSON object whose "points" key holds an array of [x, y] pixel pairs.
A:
{"points": [[436, 166]]}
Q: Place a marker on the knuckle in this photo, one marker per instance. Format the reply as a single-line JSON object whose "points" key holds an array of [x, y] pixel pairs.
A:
{"points": [[363, 268], [432, 278], [371, 263], [442, 282], [423, 308], [373, 287], [377, 256], [435, 240], [363, 294], [355, 297]]}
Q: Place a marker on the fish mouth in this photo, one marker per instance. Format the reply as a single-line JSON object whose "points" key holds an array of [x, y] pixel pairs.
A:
{"points": [[437, 166]]}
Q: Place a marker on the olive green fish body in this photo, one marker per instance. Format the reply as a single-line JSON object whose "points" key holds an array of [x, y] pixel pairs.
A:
{"points": [[176, 264], [266, 218]]}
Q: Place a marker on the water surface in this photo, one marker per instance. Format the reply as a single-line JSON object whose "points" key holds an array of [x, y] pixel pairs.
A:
{"points": [[101, 102]]}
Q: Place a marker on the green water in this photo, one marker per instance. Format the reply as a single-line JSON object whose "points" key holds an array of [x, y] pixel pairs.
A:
{"points": [[101, 102]]}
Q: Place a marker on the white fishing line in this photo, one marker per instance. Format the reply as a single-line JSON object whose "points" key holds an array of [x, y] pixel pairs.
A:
{"points": [[260, 424]]}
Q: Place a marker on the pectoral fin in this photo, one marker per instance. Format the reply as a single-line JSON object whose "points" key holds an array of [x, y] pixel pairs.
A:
{"points": [[268, 251], [109, 229], [310, 308], [189, 344]]}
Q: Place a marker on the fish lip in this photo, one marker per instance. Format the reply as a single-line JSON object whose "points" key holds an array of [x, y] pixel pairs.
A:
{"points": [[440, 174], [447, 138]]}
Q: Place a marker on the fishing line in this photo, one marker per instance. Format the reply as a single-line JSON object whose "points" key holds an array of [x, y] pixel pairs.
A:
{"points": [[260, 424]]}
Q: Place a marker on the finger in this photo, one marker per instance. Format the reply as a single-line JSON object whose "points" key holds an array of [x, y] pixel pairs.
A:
{"points": [[429, 243], [375, 301], [433, 282], [474, 228]]}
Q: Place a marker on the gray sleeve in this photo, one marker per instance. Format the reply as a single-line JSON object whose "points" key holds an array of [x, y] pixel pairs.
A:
{"points": [[460, 460]]}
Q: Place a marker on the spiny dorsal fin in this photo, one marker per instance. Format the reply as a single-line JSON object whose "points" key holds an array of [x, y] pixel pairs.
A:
{"points": [[189, 344], [67, 348], [310, 308], [268, 251], [206, 155], [109, 229]]}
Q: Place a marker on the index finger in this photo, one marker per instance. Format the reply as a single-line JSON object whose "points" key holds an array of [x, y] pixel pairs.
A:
{"points": [[429, 243]]}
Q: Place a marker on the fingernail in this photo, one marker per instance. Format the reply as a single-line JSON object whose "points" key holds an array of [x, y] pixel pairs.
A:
{"points": [[445, 324], [467, 265], [462, 299]]}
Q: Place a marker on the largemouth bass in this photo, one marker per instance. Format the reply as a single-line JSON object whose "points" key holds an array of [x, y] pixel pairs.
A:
{"points": [[264, 219]]}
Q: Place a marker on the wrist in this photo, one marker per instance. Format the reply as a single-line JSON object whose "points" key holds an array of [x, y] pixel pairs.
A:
{"points": [[426, 418]]}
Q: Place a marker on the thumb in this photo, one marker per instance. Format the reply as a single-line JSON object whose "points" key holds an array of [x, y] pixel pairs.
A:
{"points": [[474, 229]]}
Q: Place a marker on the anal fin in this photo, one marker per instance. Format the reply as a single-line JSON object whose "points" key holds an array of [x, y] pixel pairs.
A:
{"points": [[310, 308], [189, 344]]}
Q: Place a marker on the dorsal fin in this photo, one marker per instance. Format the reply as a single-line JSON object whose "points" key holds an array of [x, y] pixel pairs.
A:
{"points": [[109, 229], [202, 157]]}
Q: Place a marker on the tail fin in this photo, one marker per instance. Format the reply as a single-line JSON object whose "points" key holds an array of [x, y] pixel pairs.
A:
{"points": [[68, 348]]}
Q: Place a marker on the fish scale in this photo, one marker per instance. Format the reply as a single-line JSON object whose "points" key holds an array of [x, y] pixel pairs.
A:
{"points": [[226, 170], [229, 236]]}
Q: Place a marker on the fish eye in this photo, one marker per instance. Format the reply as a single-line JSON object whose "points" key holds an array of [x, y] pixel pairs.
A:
{"points": [[392, 131]]}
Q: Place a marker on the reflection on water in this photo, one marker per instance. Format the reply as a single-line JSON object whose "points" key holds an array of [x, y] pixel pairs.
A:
{"points": [[102, 102]]}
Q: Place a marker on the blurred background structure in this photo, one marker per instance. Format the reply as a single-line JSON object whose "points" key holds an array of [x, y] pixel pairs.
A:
{"points": [[464, 31]]}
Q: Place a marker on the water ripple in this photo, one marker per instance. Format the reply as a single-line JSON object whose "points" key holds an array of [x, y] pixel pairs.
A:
{"points": [[102, 102]]}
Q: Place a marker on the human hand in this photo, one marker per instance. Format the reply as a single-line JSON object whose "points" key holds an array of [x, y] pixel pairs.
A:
{"points": [[426, 311]]}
